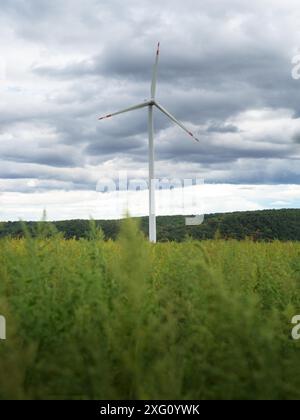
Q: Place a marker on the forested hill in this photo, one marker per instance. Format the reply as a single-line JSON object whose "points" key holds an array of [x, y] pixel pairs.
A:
{"points": [[265, 225]]}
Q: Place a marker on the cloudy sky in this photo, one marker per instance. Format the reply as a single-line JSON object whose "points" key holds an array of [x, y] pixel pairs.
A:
{"points": [[225, 71]]}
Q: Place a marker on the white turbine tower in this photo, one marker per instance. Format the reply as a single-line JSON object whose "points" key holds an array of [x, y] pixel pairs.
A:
{"points": [[150, 104]]}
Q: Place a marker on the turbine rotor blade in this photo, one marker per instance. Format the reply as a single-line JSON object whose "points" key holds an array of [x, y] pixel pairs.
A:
{"points": [[154, 76], [132, 108], [162, 109]]}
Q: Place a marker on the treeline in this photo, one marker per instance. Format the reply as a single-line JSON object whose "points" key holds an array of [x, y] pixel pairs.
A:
{"points": [[265, 225]]}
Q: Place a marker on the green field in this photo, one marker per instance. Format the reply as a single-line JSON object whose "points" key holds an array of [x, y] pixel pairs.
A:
{"points": [[95, 319]]}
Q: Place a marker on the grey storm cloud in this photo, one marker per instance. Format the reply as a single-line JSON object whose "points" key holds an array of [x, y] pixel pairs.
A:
{"points": [[75, 60], [296, 138], [219, 127], [49, 158]]}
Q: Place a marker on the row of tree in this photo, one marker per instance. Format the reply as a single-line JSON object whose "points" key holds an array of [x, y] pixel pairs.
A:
{"points": [[266, 225]]}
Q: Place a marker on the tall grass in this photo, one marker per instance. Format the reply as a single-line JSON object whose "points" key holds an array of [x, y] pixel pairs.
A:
{"points": [[91, 319]]}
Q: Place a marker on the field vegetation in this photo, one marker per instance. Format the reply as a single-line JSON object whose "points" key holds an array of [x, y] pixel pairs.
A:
{"points": [[124, 319]]}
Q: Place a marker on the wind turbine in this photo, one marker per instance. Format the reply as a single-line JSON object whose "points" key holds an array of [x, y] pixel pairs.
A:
{"points": [[150, 104]]}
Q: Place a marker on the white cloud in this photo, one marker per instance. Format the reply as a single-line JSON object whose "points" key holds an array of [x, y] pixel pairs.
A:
{"points": [[61, 205]]}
